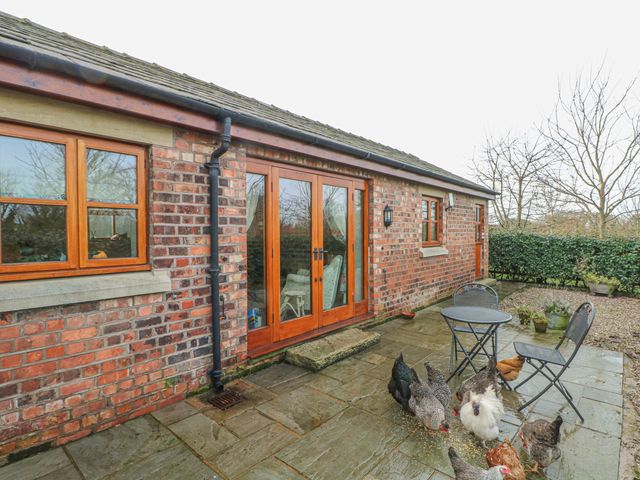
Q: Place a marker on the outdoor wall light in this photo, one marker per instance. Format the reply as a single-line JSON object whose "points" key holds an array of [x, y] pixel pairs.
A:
{"points": [[387, 215], [452, 201]]}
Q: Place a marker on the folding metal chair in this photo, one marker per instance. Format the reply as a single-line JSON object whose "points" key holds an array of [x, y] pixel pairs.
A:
{"points": [[541, 357], [472, 295]]}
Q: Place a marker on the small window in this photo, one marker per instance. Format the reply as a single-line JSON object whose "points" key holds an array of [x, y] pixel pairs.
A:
{"points": [[431, 221], [69, 205]]}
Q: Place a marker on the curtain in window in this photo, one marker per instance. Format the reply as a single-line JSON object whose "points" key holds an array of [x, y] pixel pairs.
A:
{"points": [[253, 196]]}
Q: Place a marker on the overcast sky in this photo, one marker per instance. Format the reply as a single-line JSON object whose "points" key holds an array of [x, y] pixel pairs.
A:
{"points": [[429, 78]]}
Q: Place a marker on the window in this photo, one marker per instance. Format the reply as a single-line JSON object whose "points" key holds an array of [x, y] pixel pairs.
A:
{"points": [[431, 221], [69, 205]]}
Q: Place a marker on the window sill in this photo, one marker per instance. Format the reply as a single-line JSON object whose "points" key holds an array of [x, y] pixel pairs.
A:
{"points": [[426, 252], [30, 294]]}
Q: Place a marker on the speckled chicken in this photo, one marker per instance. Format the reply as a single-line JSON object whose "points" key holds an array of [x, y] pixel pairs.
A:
{"points": [[540, 439], [505, 454], [479, 383], [466, 471], [438, 383], [424, 404], [401, 378]]}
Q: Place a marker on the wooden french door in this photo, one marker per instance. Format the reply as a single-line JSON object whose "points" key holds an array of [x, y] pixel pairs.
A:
{"points": [[306, 251], [479, 239]]}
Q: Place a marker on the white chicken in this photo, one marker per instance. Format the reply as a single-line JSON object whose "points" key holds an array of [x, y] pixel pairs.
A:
{"points": [[482, 414]]}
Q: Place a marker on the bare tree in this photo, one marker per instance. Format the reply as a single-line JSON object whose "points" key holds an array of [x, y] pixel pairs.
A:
{"points": [[511, 167], [595, 146]]}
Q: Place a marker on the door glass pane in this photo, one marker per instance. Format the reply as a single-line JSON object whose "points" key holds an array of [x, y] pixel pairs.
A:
{"points": [[33, 233], [255, 251], [113, 233], [111, 177], [295, 248], [334, 228], [359, 244], [32, 169]]}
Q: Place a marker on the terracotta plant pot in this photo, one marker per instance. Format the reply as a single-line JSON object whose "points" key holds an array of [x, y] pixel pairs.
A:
{"points": [[408, 315], [540, 327]]}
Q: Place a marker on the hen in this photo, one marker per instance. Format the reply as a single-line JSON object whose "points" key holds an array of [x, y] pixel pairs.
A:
{"points": [[479, 383], [438, 383], [424, 404], [482, 414], [505, 454], [540, 439], [401, 379], [466, 471], [510, 368]]}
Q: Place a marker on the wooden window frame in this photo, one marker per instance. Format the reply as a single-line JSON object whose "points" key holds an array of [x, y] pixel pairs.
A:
{"points": [[75, 202], [428, 221]]}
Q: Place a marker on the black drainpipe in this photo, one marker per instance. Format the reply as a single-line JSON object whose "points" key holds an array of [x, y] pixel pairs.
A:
{"points": [[214, 270]]}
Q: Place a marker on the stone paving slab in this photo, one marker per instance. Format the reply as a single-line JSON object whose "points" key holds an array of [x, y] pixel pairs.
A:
{"points": [[104, 453], [174, 413], [318, 354], [345, 447], [303, 409], [271, 469], [171, 464], [37, 466], [252, 450], [399, 466], [247, 423], [204, 435]]}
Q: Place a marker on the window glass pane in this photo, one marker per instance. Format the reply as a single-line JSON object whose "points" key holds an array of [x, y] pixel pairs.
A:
{"points": [[33, 233], [425, 209], [111, 177], [255, 251], [434, 210], [434, 231], [295, 248], [334, 233], [32, 169], [359, 244], [113, 233]]}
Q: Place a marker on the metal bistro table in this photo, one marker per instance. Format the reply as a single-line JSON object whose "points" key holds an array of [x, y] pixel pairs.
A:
{"points": [[486, 322]]}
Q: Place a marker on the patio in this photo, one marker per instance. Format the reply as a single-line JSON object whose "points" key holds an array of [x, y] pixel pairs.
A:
{"points": [[341, 423]]}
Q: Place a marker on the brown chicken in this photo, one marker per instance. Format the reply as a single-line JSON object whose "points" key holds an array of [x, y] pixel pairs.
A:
{"points": [[510, 368], [505, 454]]}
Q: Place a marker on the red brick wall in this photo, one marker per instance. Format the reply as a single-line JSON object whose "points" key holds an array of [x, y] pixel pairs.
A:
{"points": [[401, 279], [71, 370]]}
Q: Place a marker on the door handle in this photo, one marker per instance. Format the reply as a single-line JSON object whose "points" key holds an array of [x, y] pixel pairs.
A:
{"points": [[320, 252], [315, 253]]}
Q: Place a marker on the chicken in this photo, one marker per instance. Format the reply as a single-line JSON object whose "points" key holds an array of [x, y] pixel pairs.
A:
{"points": [[401, 378], [482, 414], [505, 454], [540, 439], [466, 471], [438, 383], [479, 383], [424, 404], [510, 368]]}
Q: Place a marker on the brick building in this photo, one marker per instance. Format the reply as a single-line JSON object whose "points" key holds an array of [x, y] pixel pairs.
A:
{"points": [[106, 276]]}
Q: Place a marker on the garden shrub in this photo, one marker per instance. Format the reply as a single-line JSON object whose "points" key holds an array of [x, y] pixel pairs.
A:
{"points": [[552, 259]]}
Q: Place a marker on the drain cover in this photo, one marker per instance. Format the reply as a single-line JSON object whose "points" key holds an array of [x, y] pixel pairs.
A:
{"points": [[226, 399]]}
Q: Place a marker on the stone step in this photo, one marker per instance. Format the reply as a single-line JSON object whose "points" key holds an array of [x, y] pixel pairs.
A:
{"points": [[318, 354]]}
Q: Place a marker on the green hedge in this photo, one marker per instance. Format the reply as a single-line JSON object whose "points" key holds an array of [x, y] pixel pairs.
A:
{"points": [[552, 259]]}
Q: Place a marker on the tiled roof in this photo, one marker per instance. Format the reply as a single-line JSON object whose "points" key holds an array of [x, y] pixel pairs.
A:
{"points": [[44, 40]]}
